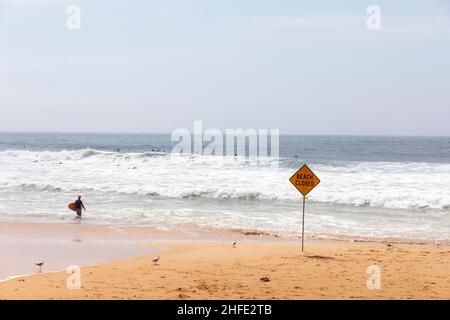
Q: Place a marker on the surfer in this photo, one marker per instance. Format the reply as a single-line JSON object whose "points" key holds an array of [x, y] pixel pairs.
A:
{"points": [[79, 205]]}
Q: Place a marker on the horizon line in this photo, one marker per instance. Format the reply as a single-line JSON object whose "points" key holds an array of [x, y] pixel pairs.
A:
{"points": [[281, 134]]}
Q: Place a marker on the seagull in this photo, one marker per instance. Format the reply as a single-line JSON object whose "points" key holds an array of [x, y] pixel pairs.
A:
{"points": [[234, 244], [155, 260], [40, 264]]}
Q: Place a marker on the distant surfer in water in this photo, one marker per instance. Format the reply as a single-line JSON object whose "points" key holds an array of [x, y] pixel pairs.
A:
{"points": [[79, 205]]}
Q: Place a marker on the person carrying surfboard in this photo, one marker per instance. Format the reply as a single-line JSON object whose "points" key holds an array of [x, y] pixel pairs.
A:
{"points": [[79, 205]]}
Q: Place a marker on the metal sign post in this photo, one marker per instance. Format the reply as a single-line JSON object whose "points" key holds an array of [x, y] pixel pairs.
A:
{"points": [[303, 223]]}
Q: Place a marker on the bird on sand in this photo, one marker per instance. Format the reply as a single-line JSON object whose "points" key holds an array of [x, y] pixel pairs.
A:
{"points": [[155, 260], [40, 264], [234, 244]]}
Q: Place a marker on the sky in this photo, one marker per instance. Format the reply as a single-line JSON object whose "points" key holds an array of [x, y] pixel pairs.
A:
{"points": [[303, 67]]}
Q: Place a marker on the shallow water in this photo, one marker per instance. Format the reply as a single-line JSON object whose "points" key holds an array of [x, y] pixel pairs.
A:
{"points": [[20, 253]]}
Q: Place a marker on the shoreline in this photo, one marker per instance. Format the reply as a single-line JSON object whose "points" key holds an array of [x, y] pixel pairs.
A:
{"points": [[136, 233], [135, 240], [205, 265], [23, 245], [253, 270]]}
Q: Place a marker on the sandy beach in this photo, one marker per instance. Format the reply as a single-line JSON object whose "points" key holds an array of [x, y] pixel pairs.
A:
{"points": [[255, 269]]}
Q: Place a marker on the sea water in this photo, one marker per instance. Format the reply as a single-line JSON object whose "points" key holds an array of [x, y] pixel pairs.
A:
{"points": [[370, 186]]}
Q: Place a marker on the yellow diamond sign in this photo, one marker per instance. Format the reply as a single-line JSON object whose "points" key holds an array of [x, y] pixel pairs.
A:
{"points": [[304, 180]]}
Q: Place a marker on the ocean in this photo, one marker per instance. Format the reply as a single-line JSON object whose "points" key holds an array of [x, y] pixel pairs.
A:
{"points": [[370, 186]]}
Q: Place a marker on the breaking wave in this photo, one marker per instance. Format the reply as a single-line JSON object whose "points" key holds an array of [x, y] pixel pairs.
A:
{"points": [[160, 175]]}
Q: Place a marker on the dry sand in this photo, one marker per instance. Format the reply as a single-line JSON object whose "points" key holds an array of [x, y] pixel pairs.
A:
{"points": [[255, 270]]}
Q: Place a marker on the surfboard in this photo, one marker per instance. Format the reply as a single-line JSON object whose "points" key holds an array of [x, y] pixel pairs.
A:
{"points": [[72, 206]]}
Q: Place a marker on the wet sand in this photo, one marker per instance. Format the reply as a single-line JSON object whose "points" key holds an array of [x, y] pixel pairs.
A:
{"points": [[19, 254], [275, 269], [60, 245]]}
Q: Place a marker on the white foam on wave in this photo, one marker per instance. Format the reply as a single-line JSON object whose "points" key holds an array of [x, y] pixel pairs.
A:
{"points": [[377, 184]]}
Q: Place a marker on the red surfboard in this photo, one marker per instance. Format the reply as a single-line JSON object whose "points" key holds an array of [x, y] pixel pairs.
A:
{"points": [[72, 206]]}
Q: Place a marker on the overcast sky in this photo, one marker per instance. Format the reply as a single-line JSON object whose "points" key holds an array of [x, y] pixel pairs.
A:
{"points": [[304, 67]]}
